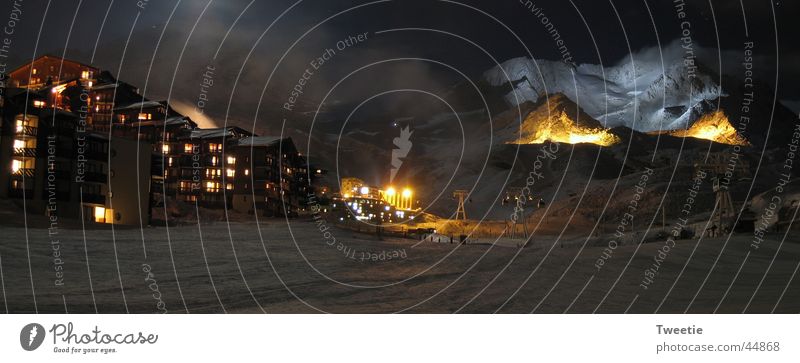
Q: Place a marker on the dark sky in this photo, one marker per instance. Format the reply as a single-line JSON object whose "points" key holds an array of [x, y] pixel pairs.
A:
{"points": [[180, 54]]}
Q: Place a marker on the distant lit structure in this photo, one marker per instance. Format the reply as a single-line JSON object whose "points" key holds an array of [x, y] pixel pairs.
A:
{"points": [[403, 200], [370, 203]]}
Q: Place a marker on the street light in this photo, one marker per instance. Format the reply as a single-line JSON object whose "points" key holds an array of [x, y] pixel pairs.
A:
{"points": [[406, 198]]}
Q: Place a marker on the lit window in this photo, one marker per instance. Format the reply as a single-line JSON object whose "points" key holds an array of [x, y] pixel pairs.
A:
{"points": [[246, 171], [212, 187], [85, 75], [103, 215], [35, 71], [187, 148], [231, 160], [165, 150], [231, 173], [214, 160], [145, 116], [169, 162], [16, 165], [229, 186], [39, 103], [19, 144]]}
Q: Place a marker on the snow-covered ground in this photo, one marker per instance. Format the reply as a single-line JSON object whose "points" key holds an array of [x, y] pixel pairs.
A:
{"points": [[275, 269]]}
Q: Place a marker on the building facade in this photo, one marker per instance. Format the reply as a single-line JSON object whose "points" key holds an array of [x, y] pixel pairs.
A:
{"points": [[76, 136]]}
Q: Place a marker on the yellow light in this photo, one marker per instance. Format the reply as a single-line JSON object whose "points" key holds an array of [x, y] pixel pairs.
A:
{"points": [[391, 191], [406, 193], [99, 214], [715, 127], [364, 190], [16, 165]]}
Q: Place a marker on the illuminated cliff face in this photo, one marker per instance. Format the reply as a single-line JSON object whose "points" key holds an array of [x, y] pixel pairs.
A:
{"points": [[559, 120], [714, 126], [563, 129]]}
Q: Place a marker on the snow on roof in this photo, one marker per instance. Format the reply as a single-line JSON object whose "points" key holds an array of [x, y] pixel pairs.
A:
{"points": [[259, 141], [172, 121], [140, 105], [213, 133], [105, 86]]}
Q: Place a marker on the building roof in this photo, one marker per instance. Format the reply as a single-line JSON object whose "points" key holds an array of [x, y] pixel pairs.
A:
{"points": [[105, 86], [260, 141], [219, 132], [170, 121], [51, 56], [58, 112], [141, 105]]}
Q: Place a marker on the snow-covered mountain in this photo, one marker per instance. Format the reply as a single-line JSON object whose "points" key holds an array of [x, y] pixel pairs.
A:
{"points": [[640, 92]]}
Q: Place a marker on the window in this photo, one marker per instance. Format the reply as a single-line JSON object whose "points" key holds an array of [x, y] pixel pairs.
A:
{"points": [[246, 171], [103, 215], [122, 118], [30, 121], [231, 160], [187, 187], [85, 75], [214, 160], [145, 116], [35, 71], [187, 148], [165, 150], [39, 104], [230, 173], [229, 186], [212, 187], [214, 147]]}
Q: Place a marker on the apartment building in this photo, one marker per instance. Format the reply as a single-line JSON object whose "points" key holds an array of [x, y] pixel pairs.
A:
{"points": [[273, 180], [112, 155]]}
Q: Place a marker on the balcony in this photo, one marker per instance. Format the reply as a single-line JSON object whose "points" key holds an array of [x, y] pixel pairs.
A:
{"points": [[27, 130], [94, 199], [20, 193], [24, 172], [93, 177], [25, 152]]}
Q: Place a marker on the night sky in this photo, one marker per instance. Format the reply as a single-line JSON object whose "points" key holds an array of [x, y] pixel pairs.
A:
{"points": [[180, 40]]}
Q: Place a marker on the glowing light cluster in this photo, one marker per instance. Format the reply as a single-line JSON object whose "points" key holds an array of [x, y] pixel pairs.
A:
{"points": [[563, 129], [715, 127], [401, 200]]}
